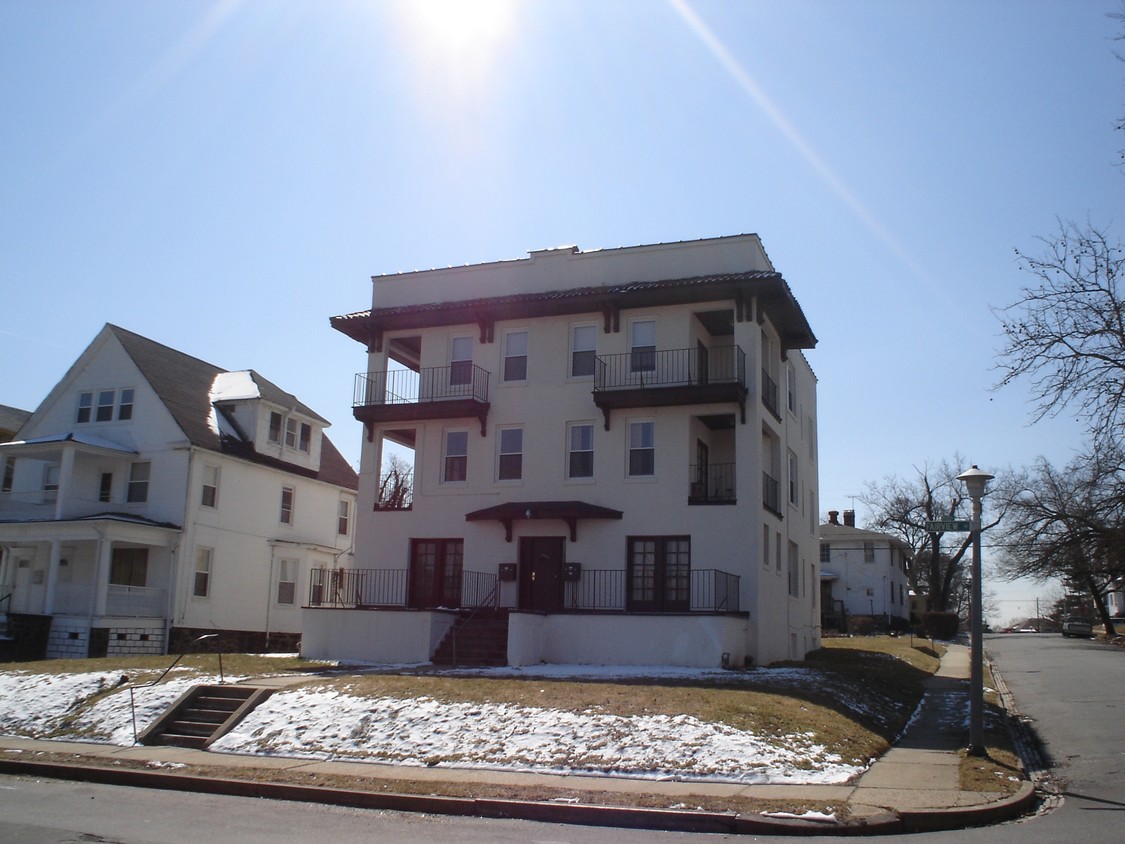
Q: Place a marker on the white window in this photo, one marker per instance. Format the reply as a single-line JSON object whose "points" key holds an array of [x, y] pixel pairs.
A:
{"points": [[51, 482], [580, 450], [105, 487], [287, 582], [642, 346], [825, 552], [275, 427], [583, 339], [85, 407], [869, 552], [138, 482], [343, 517], [515, 356], [461, 361], [511, 455], [288, 501], [291, 425], [201, 588], [642, 449], [210, 497], [104, 411], [125, 406], [456, 460]]}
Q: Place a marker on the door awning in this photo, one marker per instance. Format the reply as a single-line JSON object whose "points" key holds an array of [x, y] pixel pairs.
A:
{"points": [[567, 511]]}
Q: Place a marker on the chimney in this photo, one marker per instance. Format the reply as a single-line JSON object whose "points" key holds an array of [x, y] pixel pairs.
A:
{"points": [[833, 517], [849, 518]]}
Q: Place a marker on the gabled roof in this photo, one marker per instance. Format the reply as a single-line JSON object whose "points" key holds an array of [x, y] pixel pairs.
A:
{"points": [[12, 418], [184, 383], [836, 533]]}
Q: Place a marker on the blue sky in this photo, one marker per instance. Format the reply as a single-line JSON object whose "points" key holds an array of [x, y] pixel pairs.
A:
{"points": [[224, 176]]}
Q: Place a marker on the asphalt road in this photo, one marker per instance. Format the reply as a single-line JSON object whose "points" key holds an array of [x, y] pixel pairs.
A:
{"points": [[1072, 691]]}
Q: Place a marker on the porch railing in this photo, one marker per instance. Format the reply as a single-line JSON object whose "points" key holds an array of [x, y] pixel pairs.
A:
{"points": [[712, 590], [351, 588], [136, 601], [437, 383], [643, 368], [712, 483]]}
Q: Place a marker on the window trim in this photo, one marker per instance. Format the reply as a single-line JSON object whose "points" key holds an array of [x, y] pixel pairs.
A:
{"points": [[137, 491], [103, 412], [343, 517], [446, 456], [85, 412], [642, 357], [294, 574], [630, 449], [287, 514], [508, 358], [209, 468], [205, 572], [572, 452], [460, 368], [124, 415], [575, 350], [513, 457], [670, 591]]}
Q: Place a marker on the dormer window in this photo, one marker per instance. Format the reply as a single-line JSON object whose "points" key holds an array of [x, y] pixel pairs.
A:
{"points": [[275, 428], [298, 434]]}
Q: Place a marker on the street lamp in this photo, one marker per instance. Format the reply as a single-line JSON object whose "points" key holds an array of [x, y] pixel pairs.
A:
{"points": [[975, 481]]}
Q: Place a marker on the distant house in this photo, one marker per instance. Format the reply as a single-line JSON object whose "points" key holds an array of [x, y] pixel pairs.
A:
{"points": [[614, 459], [862, 573], [153, 498], [11, 420]]}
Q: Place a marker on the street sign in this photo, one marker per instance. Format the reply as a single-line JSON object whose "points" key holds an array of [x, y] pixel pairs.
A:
{"points": [[943, 525]]}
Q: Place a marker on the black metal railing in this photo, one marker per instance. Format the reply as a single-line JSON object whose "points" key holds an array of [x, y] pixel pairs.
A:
{"points": [[771, 497], [712, 483], [436, 383], [357, 587], [647, 368], [769, 394], [712, 590], [388, 587]]}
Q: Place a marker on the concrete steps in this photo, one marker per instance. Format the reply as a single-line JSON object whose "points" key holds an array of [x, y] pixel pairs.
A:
{"points": [[477, 639], [203, 714]]}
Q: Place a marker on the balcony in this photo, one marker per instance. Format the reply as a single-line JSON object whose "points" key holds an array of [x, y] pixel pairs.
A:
{"points": [[771, 497], [712, 483], [439, 392], [769, 395], [651, 378]]}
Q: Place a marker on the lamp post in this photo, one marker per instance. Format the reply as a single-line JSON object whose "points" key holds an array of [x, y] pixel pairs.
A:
{"points": [[975, 481]]}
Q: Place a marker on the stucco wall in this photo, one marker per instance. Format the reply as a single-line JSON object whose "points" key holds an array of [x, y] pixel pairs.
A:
{"points": [[371, 635]]}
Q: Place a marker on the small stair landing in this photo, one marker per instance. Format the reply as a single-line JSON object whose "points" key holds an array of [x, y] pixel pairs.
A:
{"points": [[204, 714]]}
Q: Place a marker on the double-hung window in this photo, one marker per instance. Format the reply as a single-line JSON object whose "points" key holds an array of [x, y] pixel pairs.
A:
{"points": [[583, 339], [139, 474], [642, 449], [580, 450], [794, 486], [456, 460], [511, 455], [515, 356], [826, 552], [287, 582], [275, 427], [869, 552], [461, 362], [642, 346], [288, 501], [210, 497], [125, 406], [105, 487], [51, 482], [85, 407], [201, 588], [343, 517]]}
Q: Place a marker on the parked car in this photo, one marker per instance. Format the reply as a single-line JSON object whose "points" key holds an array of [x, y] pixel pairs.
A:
{"points": [[1075, 626]]}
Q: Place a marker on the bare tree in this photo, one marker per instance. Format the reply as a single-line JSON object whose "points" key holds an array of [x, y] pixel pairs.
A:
{"points": [[905, 508], [396, 485], [1067, 334], [1070, 524]]}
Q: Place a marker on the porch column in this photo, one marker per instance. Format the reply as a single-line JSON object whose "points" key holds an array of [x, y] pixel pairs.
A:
{"points": [[52, 577], [66, 476], [101, 575]]}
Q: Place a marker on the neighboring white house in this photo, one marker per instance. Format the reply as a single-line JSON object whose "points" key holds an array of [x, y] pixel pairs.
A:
{"points": [[862, 573], [618, 446], [152, 498]]}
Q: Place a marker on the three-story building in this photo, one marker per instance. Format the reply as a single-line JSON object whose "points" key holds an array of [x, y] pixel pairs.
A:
{"points": [[616, 448]]}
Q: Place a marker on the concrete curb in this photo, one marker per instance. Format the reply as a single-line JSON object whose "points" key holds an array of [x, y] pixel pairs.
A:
{"points": [[671, 820]]}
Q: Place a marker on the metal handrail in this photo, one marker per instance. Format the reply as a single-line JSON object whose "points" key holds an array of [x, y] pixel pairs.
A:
{"points": [[492, 598], [132, 699]]}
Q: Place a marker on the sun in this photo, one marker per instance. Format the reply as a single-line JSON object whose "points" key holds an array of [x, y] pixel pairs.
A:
{"points": [[460, 32]]}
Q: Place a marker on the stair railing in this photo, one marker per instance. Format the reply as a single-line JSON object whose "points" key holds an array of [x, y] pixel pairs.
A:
{"points": [[6, 612], [491, 601], [132, 699]]}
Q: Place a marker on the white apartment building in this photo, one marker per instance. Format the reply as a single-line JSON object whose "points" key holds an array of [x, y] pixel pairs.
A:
{"points": [[614, 451], [863, 573], [153, 498]]}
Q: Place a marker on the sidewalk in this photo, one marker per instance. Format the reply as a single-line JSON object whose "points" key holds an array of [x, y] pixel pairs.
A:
{"points": [[912, 787]]}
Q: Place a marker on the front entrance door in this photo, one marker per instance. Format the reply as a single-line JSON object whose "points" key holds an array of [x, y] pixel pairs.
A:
{"points": [[541, 578]]}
